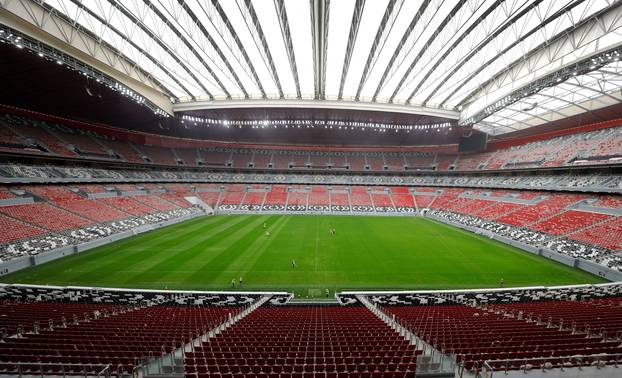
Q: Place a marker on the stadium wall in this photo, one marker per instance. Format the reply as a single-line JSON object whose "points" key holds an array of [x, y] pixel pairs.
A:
{"points": [[14, 265], [596, 269]]}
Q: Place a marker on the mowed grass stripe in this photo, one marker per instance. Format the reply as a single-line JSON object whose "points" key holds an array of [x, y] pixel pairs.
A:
{"points": [[181, 250], [366, 253], [132, 259]]}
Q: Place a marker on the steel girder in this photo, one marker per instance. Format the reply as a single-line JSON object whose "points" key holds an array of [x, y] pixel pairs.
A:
{"points": [[562, 44], [287, 39], [402, 42], [354, 29], [439, 29], [265, 49]]}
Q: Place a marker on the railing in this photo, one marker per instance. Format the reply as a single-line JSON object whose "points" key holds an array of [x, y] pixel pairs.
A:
{"points": [[546, 363], [42, 369]]}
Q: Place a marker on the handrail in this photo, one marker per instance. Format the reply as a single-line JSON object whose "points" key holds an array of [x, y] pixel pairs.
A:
{"points": [[489, 365], [36, 369]]}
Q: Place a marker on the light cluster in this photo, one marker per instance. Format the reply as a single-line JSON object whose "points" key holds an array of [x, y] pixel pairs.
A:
{"points": [[8, 35], [311, 124]]}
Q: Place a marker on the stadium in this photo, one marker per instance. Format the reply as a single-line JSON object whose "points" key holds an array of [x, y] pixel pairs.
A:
{"points": [[310, 188]]}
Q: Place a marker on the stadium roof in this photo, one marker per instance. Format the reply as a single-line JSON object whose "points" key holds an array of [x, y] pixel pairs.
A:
{"points": [[446, 56]]}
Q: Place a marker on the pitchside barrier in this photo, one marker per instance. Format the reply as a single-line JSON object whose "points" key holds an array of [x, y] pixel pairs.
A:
{"points": [[19, 263], [579, 263]]}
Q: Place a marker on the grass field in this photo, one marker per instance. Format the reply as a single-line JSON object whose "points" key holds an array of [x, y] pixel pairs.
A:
{"points": [[366, 253]]}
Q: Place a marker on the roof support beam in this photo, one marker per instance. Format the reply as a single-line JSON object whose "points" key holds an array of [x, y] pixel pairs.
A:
{"points": [[439, 29], [263, 44], [577, 104], [151, 35], [354, 29], [594, 90], [135, 45], [231, 29], [319, 29], [566, 42], [474, 51], [195, 52], [389, 17], [287, 38], [398, 51]]}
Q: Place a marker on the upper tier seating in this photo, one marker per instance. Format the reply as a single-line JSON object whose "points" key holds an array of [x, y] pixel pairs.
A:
{"points": [[602, 146], [330, 341]]}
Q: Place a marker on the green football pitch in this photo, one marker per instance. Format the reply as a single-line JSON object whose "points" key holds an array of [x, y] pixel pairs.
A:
{"points": [[366, 252]]}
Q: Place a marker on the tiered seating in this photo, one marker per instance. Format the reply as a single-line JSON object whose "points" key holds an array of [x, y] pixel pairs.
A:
{"points": [[128, 205], [380, 199], [255, 195], [318, 161], [233, 195], [124, 149], [53, 193], [281, 161], [13, 229], [543, 209], [359, 196], [297, 196], [329, 341], [261, 160], [43, 136], [609, 201], [241, 160], [445, 200], [568, 221], [155, 202], [596, 147], [46, 216], [338, 161], [95, 210], [402, 197], [158, 155], [188, 155], [396, 163], [357, 162], [24, 316], [476, 335], [340, 196], [318, 195], [211, 197], [444, 162], [85, 144], [420, 161], [496, 210], [607, 234], [376, 162], [277, 195], [601, 317], [122, 339], [5, 193], [215, 158], [468, 162], [469, 206]]}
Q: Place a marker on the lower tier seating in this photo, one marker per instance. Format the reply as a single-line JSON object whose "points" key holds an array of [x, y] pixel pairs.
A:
{"points": [[122, 339], [477, 335], [312, 340]]}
